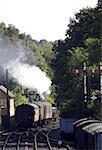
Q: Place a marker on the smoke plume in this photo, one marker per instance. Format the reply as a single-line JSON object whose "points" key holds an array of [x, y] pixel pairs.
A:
{"points": [[14, 56]]}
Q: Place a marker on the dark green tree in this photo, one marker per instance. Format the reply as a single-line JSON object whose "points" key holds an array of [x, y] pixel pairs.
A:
{"points": [[82, 43]]}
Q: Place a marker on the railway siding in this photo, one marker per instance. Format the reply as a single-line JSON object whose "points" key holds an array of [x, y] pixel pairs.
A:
{"points": [[36, 139]]}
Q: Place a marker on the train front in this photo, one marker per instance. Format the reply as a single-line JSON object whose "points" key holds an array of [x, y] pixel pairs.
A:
{"points": [[24, 116]]}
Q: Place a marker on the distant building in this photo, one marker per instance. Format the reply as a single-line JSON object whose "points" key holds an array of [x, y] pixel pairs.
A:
{"points": [[6, 109]]}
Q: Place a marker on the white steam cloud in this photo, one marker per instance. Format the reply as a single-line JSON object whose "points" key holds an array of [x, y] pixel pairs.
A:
{"points": [[14, 57], [30, 77]]}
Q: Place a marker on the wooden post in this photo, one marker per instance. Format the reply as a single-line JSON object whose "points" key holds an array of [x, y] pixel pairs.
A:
{"points": [[8, 105]]}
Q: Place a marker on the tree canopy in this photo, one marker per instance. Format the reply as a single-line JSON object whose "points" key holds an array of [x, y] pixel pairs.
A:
{"points": [[82, 44]]}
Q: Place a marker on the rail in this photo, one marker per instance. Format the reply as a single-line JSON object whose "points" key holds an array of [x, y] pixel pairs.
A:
{"points": [[34, 140], [30, 138], [54, 140], [48, 141], [7, 139], [18, 143]]}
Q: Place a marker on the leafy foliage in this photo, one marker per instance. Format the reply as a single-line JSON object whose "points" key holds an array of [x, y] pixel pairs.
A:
{"points": [[19, 98], [82, 44]]}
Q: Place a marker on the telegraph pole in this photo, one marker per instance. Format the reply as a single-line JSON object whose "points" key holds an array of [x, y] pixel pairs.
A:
{"points": [[101, 80], [85, 82], [85, 92]]}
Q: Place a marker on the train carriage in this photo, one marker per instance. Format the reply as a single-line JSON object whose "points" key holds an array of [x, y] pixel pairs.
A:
{"points": [[33, 114], [80, 134], [93, 136], [75, 129], [45, 111], [41, 110], [98, 140], [36, 114], [26, 115]]}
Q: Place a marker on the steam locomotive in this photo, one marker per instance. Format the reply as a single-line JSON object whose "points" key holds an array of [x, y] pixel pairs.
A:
{"points": [[33, 114]]}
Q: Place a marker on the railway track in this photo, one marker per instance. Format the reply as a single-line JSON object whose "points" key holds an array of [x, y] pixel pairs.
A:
{"points": [[25, 140], [42, 141], [28, 140]]}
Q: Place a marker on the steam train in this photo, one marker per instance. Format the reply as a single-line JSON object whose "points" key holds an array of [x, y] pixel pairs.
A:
{"points": [[25, 115], [33, 114]]}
